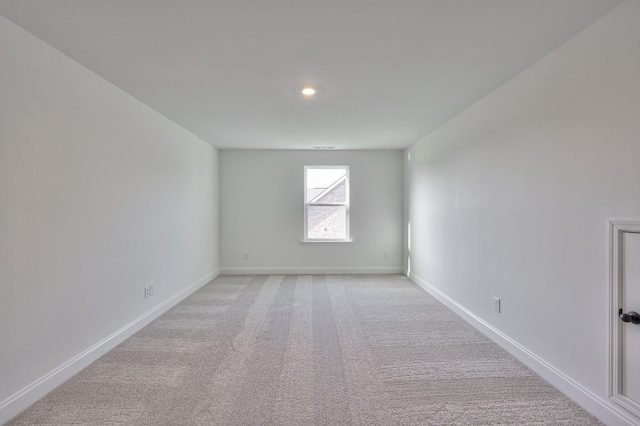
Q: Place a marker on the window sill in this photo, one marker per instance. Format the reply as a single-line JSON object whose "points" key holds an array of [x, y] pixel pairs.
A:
{"points": [[325, 241]]}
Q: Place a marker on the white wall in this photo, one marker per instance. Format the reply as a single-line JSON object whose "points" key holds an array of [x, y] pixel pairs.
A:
{"points": [[512, 198], [99, 196], [261, 212]]}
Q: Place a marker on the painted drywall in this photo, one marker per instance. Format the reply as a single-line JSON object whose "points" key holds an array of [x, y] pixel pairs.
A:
{"points": [[512, 198], [100, 196], [262, 214]]}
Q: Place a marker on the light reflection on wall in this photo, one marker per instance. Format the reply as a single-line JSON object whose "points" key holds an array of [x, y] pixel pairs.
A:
{"points": [[408, 248]]}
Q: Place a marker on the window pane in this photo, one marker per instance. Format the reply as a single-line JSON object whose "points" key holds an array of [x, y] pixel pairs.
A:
{"points": [[327, 222], [326, 185]]}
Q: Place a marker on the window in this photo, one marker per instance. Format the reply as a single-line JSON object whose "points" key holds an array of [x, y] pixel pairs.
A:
{"points": [[326, 203]]}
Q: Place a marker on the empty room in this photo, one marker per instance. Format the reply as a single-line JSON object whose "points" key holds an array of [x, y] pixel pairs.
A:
{"points": [[295, 212]]}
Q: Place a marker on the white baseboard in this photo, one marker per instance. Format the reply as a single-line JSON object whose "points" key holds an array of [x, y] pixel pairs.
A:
{"points": [[605, 410], [22, 399], [296, 270]]}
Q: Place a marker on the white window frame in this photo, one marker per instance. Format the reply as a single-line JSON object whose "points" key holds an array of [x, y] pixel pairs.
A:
{"points": [[345, 204]]}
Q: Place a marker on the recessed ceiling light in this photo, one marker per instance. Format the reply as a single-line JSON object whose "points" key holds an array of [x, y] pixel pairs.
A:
{"points": [[308, 91]]}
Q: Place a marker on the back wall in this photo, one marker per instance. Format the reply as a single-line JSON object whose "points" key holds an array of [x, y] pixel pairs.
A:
{"points": [[262, 213]]}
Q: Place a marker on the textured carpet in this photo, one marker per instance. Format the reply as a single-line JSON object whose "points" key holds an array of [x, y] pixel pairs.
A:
{"points": [[307, 350]]}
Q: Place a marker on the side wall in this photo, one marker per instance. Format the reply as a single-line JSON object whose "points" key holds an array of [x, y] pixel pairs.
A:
{"points": [[261, 199], [100, 196], [512, 199]]}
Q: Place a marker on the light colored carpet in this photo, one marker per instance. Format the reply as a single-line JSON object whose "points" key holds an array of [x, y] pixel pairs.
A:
{"points": [[307, 350]]}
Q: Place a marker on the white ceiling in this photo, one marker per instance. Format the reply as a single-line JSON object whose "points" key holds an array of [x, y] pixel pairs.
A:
{"points": [[230, 71]]}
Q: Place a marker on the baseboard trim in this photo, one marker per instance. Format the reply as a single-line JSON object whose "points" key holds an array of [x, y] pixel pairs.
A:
{"points": [[602, 408], [296, 270], [22, 399]]}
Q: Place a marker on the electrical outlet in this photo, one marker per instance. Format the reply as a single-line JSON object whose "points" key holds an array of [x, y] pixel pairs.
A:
{"points": [[147, 292], [385, 255], [245, 256], [496, 304]]}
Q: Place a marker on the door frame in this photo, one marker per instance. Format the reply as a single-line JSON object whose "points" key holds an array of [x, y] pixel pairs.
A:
{"points": [[616, 229]]}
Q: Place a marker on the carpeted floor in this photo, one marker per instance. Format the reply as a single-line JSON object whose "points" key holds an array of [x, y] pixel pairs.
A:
{"points": [[307, 350]]}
